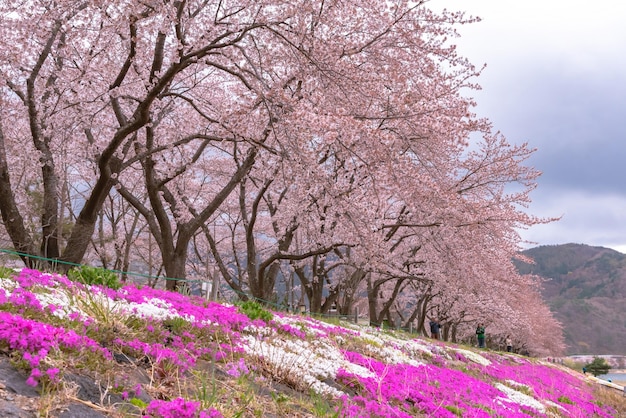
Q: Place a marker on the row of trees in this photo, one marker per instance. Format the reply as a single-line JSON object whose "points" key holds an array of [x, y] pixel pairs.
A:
{"points": [[330, 144]]}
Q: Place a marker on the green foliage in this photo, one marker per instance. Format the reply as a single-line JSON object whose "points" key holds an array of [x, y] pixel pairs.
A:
{"points": [[573, 364], [206, 388], [254, 310], [99, 307], [565, 399], [138, 403], [281, 401], [598, 366], [176, 324], [94, 275], [184, 289], [6, 272], [526, 390], [455, 410], [321, 406]]}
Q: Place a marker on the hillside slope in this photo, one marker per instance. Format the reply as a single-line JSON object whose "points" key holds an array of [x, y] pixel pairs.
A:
{"points": [[585, 287], [96, 352]]}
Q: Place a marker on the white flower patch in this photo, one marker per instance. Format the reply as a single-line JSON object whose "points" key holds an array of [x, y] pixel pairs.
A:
{"points": [[416, 347], [520, 398], [288, 363], [310, 362], [151, 308], [388, 350], [7, 285], [526, 387], [147, 309], [298, 322], [335, 360], [260, 331], [472, 356], [52, 297], [159, 303], [154, 308], [59, 300], [393, 355]]}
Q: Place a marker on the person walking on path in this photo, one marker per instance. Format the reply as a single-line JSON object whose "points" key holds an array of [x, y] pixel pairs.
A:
{"points": [[509, 344], [435, 328], [480, 334]]}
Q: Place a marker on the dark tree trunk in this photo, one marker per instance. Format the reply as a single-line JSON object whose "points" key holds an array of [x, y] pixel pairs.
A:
{"points": [[11, 217]]}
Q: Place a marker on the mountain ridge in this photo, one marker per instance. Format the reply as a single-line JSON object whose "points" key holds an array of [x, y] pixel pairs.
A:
{"points": [[585, 288]]}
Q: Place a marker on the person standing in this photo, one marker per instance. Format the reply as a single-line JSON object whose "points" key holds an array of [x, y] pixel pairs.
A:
{"points": [[480, 334], [435, 328], [509, 344]]}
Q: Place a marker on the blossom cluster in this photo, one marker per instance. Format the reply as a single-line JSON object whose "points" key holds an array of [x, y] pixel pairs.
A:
{"points": [[35, 340], [180, 408]]}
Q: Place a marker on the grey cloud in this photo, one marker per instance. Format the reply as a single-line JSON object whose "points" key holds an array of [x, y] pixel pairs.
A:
{"points": [[577, 124]]}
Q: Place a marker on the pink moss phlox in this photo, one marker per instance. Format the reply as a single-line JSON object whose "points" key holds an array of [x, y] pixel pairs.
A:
{"points": [[24, 298], [460, 357], [159, 353], [438, 360], [427, 389], [359, 406], [291, 330], [34, 359], [35, 340], [395, 390], [229, 317], [551, 384], [330, 329], [32, 336], [211, 413], [237, 369], [226, 350], [52, 373], [28, 278], [179, 408]]}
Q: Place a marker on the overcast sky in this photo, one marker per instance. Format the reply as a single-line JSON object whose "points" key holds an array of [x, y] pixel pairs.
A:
{"points": [[556, 78]]}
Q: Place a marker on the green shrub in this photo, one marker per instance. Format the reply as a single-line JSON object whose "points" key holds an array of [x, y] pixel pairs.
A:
{"points": [[254, 310], [94, 275], [598, 366]]}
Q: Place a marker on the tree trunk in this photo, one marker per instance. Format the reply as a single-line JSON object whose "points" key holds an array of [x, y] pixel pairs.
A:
{"points": [[50, 210], [175, 270], [11, 217], [372, 302]]}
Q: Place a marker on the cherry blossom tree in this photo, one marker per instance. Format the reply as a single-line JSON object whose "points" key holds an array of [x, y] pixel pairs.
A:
{"points": [[332, 141], [290, 90]]}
